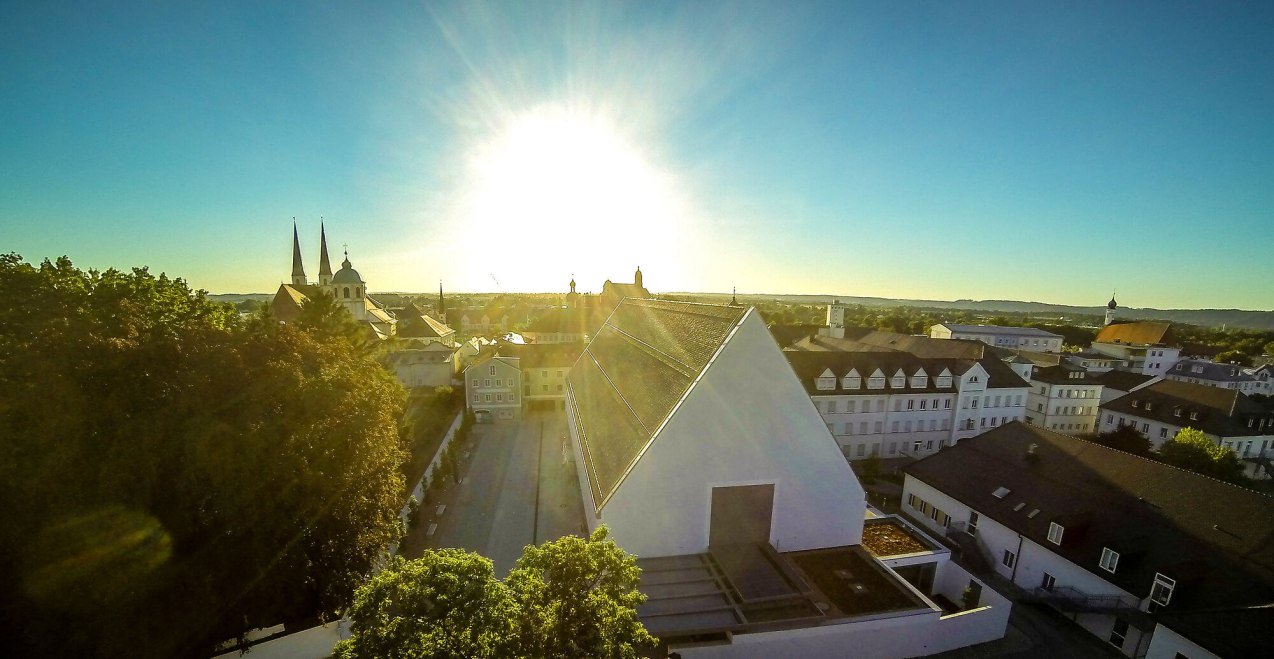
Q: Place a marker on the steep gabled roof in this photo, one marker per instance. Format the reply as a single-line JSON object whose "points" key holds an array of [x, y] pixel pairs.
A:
{"points": [[633, 373], [809, 366], [1214, 538], [1143, 333], [416, 324]]}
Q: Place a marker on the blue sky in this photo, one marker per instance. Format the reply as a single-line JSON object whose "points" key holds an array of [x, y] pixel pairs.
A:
{"points": [[922, 150]]}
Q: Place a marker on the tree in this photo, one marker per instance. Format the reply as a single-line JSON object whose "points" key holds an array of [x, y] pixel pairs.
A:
{"points": [[578, 597], [1125, 438], [1192, 450], [220, 474], [1269, 348], [1233, 356], [572, 597], [447, 603]]}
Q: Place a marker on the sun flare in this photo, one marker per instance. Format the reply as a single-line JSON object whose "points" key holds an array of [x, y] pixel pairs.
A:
{"points": [[567, 192]]}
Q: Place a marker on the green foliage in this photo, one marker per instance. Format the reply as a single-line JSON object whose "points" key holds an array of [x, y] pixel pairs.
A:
{"points": [[1192, 450], [871, 468], [446, 603], [573, 597], [1269, 348], [218, 473], [1125, 438], [1232, 357]]}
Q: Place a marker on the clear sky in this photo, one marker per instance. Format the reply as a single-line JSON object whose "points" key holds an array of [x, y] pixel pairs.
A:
{"points": [[940, 150]]}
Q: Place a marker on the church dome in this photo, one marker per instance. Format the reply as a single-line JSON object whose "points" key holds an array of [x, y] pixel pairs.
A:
{"points": [[1112, 304], [347, 274]]}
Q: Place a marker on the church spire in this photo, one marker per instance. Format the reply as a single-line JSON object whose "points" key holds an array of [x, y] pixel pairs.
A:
{"points": [[298, 269], [442, 304], [325, 265], [734, 299], [637, 276]]}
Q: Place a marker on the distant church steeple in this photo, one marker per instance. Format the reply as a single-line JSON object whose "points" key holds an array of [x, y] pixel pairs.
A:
{"points": [[1110, 310], [298, 268], [442, 305], [325, 265], [572, 283], [734, 299], [637, 276]]}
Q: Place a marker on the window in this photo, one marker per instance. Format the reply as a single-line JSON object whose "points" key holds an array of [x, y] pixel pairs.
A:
{"points": [[923, 403], [906, 426], [880, 427], [1055, 531], [973, 522], [486, 382], [893, 427], [911, 404], [499, 382], [491, 370], [849, 406], [1119, 633], [862, 428], [475, 383], [1109, 559], [861, 450], [544, 387], [475, 398], [488, 398], [1048, 582], [946, 404], [831, 407], [499, 398], [1161, 592], [1009, 558], [1163, 433]]}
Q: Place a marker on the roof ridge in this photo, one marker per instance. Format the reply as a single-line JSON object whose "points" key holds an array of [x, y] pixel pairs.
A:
{"points": [[680, 366]]}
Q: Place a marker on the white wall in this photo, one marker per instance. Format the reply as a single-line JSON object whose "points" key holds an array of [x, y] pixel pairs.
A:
{"points": [[746, 421], [1166, 643]]}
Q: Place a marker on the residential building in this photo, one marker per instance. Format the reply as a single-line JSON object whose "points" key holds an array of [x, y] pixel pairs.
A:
{"points": [[1163, 408], [698, 447], [474, 322], [1117, 383], [420, 363], [1124, 546], [1144, 347], [493, 387], [1025, 338], [544, 368], [414, 323], [559, 325], [1095, 362], [1064, 397], [1263, 375], [972, 390], [346, 286], [1225, 376]]}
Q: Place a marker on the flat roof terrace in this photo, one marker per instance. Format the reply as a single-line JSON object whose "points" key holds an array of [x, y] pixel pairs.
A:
{"points": [[853, 583], [890, 537]]}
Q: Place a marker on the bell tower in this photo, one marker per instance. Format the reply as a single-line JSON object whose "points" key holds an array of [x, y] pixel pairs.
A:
{"points": [[298, 268]]}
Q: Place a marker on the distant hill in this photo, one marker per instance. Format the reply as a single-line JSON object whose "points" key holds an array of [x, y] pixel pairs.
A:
{"points": [[1260, 320]]}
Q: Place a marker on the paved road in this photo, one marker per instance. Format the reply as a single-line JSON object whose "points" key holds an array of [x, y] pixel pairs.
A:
{"points": [[494, 511]]}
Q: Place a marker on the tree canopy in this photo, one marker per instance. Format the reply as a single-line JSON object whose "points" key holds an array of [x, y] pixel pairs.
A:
{"points": [[1192, 450], [572, 597], [175, 474], [1125, 438]]}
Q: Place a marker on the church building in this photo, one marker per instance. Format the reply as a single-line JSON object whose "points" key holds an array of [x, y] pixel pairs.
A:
{"points": [[346, 286]]}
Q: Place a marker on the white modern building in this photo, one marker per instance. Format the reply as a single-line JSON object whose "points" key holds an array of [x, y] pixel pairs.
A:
{"points": [[1143, 347], [1224, 376], [701, 451], [1124, 546], [1023, 338], [1162, 409]]}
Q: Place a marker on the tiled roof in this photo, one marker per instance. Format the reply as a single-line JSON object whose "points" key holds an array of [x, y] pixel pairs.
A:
{"points": [[1218, 411], [1210, 371], [544, 355], [417, 324], [633, 373], [1063, 374], [1139, 333], [1123, 380], [786, 335], [1000, 330], [809, 366], [960, 354], [1213, 537], [562, 321]]}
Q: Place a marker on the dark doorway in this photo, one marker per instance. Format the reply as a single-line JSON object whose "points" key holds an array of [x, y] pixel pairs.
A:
{"points": [[741, 515]]}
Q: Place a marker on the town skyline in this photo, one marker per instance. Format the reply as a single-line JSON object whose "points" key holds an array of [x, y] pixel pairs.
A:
{"points": [[886, 151]]}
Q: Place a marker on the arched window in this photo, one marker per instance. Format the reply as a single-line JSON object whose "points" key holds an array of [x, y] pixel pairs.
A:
{"points": [[347, 291], [356, 293]]}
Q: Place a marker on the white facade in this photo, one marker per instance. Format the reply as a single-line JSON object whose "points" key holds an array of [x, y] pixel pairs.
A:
{"points": [[745, 421], [1159, 432], [1222, 376], [1027, 563], [1067, 408], [1168, 644], [1021, 338], [1147, 360]]}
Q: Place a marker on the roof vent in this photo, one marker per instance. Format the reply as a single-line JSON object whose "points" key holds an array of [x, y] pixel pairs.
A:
{"points": [[1001, 492], [1019, 506], [1033, 513]]}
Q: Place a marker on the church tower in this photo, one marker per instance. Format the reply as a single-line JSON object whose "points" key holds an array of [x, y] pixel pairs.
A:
{"points": [[350, 289], [298, 269], [637, 277], [442, 305], [1110, 311], [325, 265]]}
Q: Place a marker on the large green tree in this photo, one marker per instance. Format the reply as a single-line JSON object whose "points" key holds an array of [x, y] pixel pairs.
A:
{"points": [[572, 597], [173, 474], [1192, 450], [1125, 438]]}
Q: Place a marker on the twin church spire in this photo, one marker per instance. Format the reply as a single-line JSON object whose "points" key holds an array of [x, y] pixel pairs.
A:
{"points": [[298, 267]]}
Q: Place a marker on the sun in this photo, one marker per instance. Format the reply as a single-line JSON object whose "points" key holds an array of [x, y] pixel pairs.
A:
{"points": [[562, 190]]}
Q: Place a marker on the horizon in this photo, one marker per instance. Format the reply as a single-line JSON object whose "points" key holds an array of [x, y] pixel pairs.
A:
{"points": [[987, 151]]}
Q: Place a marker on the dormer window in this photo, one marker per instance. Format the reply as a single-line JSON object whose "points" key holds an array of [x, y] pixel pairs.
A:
{"points": [[825, 384], [898, 381], [1194, 415], [1147, 406], [944, 379], [1161, 592], [1176, 411], [852, 380], [920, 380], [1136, 403], [1055, 531], [1109, 559]]}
